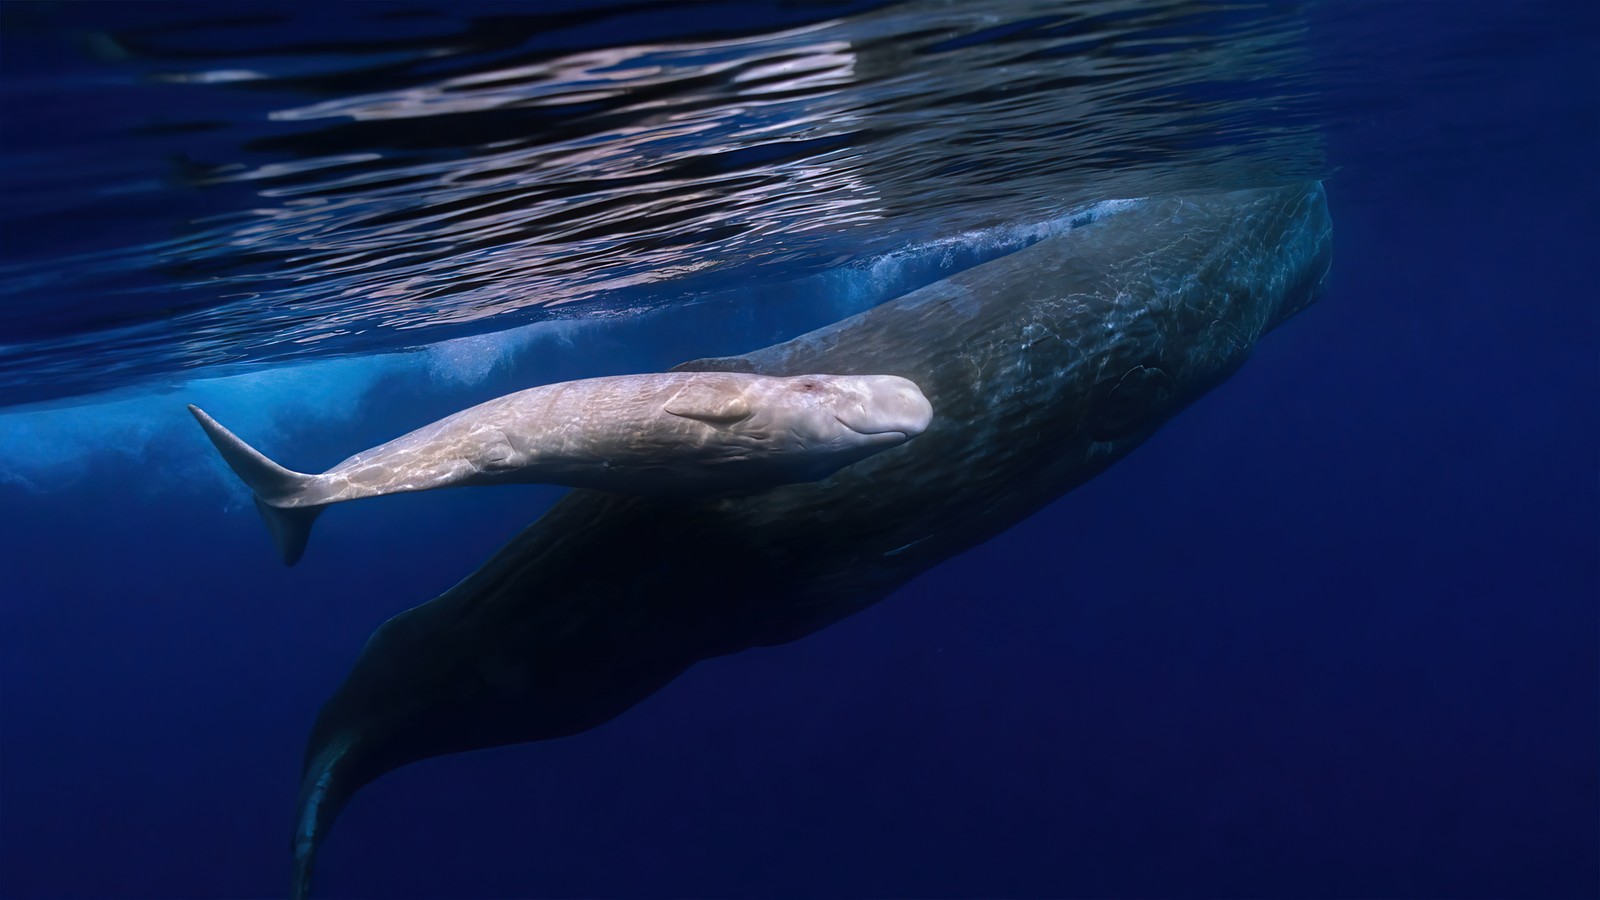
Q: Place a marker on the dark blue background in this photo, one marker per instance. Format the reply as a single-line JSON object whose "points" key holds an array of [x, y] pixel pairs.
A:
{"points": [[1331, 633]]}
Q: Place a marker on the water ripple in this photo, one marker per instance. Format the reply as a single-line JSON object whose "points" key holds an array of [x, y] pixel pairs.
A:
{"points": [[241, 189]]}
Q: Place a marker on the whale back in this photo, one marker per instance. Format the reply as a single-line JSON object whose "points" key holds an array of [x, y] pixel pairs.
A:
{"points": [[1042, 367]]}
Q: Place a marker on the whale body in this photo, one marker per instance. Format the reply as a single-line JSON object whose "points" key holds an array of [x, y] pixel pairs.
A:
{"points": [[1045, 367], [669, 433]]}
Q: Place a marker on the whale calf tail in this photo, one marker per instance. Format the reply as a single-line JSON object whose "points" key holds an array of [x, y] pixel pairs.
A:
{"points": [[277, 489]]}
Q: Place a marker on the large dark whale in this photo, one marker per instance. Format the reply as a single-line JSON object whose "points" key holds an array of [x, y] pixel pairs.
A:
{"points": [[1043, 368]]}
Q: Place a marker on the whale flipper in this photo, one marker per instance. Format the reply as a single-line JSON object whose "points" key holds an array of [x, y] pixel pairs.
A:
{"points": [[704, 404], [273, 485]]}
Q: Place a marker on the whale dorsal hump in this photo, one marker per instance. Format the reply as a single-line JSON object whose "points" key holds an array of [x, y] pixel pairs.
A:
{"points": [[717, 364], [708, 404]]}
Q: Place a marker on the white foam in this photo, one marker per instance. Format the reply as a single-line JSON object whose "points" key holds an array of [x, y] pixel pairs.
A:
{"points": [[472, 359]]}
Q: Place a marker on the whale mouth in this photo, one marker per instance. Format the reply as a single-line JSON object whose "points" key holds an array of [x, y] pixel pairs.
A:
{"points": [[885, 435]]}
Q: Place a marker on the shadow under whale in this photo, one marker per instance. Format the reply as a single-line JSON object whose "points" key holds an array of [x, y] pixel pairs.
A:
{"points": [[1043, 368]]}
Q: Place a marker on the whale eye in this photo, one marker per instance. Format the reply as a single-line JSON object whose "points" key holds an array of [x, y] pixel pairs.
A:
{"points": [[807, 385]]}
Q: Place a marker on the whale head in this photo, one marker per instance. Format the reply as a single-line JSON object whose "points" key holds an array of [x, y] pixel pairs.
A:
{"points": [[877, 411], [807, 426]]}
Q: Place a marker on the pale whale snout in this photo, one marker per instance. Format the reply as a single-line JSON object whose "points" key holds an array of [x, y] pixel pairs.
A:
{"points": [[891, 408]]}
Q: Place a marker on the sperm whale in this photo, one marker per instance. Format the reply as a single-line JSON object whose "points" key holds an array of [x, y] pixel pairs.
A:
{"points": [[1045, 367], [678, 433]]}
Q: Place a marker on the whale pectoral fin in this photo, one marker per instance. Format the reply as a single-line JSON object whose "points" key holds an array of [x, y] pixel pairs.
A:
{"points": [[497, 455], [707, 404]]}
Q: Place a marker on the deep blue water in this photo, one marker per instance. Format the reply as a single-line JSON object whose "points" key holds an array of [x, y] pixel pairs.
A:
{"points": [[1332, 632]]}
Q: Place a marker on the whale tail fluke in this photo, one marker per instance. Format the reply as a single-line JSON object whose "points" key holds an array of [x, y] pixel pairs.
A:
{"points": [[290, 528], [325, 788], [275, 488]]}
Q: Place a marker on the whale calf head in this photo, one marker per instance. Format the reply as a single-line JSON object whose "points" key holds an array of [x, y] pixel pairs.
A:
{"points": [[810, 425], [834, 414], [881, 410]]}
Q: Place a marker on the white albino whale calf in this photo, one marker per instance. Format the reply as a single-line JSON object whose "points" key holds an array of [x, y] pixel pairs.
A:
{"points": [[689, 433]]}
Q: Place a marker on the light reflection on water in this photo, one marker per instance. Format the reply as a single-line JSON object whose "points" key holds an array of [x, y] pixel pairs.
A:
{"points": [[254, 191]]}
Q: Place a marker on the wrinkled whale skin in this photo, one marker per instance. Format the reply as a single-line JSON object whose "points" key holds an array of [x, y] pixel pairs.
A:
{"points": [[1043, 367]]}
